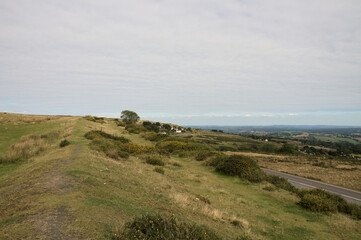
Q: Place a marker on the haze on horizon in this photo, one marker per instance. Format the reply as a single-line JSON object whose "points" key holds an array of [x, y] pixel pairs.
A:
{"points": [[191, 62]]}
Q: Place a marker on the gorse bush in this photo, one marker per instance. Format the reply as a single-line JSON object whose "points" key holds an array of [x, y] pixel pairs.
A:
{"points": [[172, 146], [318, 200], [241, 166], [100, 134], [164, 228]]}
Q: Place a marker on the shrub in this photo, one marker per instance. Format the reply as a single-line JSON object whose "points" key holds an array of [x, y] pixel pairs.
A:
{"points": [[241, 166], [318, 200], [159, 170], [287, 149], [215, 161], [100, 134], [94, 119], [64, 143], [163, 228], [154, 137], [132, 128], [280, 182], [202, 155], [154, 160]]}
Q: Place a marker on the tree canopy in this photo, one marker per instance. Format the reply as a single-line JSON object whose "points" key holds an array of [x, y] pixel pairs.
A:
{"points": [[129, 117]]}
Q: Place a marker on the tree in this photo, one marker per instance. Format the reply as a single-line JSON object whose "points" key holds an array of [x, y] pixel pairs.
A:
{"points": [[129, 117]]}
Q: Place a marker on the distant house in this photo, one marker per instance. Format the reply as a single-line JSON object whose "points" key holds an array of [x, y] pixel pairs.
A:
{"points": [[178, 131]]}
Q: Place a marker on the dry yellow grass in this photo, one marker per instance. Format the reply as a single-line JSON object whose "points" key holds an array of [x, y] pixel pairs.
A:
{"points": [[22, 118], [333, 172], [29, 146]]}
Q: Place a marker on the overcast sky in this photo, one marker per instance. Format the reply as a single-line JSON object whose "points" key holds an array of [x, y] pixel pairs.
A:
{"points": [[228, 62]]}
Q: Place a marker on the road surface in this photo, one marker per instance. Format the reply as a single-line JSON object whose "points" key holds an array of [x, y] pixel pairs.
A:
{"points": [[300, 182]]}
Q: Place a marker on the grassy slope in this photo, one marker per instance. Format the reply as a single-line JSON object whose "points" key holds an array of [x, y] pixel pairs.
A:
{"points": [[75, 192]]}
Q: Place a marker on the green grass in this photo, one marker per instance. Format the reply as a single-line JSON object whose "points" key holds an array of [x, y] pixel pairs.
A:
{"points": [[84, 194]]}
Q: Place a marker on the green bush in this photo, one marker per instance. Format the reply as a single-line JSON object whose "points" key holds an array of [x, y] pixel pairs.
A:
{"points": [[163, 228], [215, 161], [203, 155], [100, 134], [287, 148], [318, 200], [154, 137], [283, 183], [159, 170], [241, 166], [64, 143], [132, 128], [154, 160]]}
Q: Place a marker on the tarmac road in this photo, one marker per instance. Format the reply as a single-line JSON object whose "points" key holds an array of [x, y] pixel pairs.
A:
{"points": [[300, 182]]}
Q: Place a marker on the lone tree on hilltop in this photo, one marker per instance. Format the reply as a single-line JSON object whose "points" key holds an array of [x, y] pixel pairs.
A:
{"points": [[129, 117]]}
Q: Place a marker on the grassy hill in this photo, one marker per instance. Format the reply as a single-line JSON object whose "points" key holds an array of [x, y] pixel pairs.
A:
{"points": [[80, 192]]}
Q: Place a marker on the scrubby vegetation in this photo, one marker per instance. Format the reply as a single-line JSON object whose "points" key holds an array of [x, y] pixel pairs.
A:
{"points": [[282, 183], [100, 134], [164, 228], [159, 170], [64, 143], [154, 160], [238, 165], [94, 119], [318, 200]]}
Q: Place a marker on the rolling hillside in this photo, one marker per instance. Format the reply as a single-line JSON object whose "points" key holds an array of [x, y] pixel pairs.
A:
{"points": [[85, 190]]}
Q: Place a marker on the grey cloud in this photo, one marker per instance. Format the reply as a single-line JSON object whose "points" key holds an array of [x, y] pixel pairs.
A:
{"points": [[181, 57]]}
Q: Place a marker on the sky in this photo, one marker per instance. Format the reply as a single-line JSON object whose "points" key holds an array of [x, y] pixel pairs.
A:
{"points": [[189, 62]]}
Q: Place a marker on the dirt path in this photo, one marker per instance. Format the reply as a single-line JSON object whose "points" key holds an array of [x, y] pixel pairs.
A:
{"points": [[52, 223]]}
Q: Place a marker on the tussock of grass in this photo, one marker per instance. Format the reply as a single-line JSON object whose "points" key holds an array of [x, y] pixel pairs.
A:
{"points": [[28, 146]]}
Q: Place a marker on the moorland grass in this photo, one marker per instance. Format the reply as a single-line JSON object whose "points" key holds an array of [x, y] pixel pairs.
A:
{"points": [[82, 181]]}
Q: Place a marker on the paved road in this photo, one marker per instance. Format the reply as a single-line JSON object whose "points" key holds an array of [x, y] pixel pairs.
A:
{"points": [[300, 182]]}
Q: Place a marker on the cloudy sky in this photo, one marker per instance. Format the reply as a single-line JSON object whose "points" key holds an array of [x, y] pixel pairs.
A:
{"points": [[229, 62]]}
